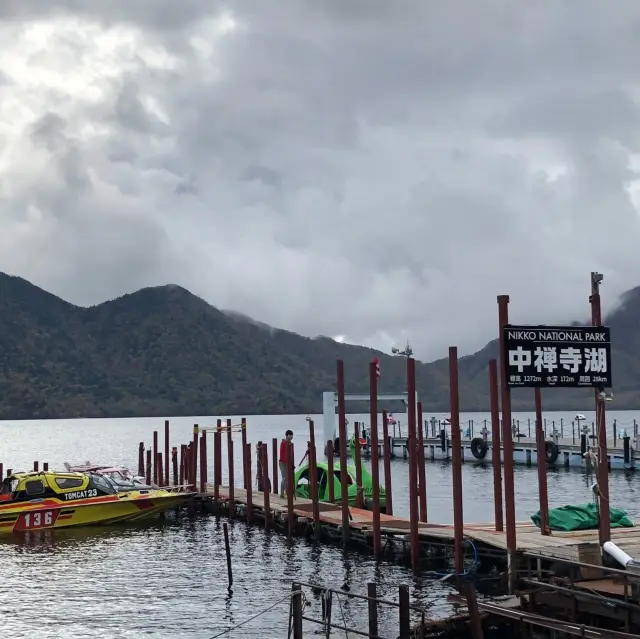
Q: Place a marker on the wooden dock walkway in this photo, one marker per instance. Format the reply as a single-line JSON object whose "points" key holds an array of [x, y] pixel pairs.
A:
{"points": [[573, 546]]}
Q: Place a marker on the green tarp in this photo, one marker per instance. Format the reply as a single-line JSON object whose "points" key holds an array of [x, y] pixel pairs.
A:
{"points": [[582, 517]]}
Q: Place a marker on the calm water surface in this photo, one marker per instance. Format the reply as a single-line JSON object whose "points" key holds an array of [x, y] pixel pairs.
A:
{"points": [[168, 579]]}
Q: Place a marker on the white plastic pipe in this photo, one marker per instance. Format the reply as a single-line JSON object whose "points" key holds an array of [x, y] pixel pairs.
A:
{"points": [[617, 553]]}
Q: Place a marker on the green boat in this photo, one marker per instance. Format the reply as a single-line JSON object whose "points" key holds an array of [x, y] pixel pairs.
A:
{"points": [[303, 484]]}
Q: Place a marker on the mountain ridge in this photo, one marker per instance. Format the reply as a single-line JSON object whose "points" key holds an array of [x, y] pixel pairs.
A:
{"points": [[163, 351]]}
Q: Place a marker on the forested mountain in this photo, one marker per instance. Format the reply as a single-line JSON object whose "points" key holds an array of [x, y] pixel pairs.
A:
{"points": [[165, 352]]}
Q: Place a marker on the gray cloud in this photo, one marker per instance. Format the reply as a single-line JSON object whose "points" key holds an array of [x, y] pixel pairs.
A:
{"points": [[371, 169]]}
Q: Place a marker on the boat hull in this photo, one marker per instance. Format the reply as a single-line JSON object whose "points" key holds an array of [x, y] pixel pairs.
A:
{"points": [[48, 514]]}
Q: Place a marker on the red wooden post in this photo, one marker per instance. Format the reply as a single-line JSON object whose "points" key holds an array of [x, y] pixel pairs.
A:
{"points": [[422, 468], [265, 484], [217, 460], [249, 489], [456, 458], [45, 468], [604, 528], [495, 443], [159, 464], [232, 503], [344, 478], [413, 467], [203, 462], [1, 472], [331, 479], [274, 460], [148, 469], [166, 453], [141, 472], [187, 465], [246, 477], [36, 466], [375, 456], [290, 490], [182, 468], [507, 445], [155, 457], [194, 458], [358, 460], [388, 496], [313, 471], [541, 453], [174, 461]]}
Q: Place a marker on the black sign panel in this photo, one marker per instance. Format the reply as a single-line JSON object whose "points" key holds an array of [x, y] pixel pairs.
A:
{"points": [[557, 356]]}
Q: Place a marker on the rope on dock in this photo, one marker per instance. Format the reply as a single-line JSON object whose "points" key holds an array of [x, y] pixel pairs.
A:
{"points": [[262, 612]]}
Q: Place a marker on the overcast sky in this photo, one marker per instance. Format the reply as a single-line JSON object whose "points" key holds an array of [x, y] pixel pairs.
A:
{"points": [[375, 169]]}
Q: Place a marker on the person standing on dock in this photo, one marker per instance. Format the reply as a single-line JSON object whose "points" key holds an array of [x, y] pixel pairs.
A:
{"points": [[282, 462]]}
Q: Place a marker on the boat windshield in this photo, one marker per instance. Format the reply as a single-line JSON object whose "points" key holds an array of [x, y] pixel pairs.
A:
{"points": [[104, 484]]}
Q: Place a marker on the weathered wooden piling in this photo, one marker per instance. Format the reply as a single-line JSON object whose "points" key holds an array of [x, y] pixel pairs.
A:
{"points": [[290, 491], [141, 472], [404, 611], [274, 462], [375, 463], [495, 444], [203, 461], [541, 453], [342, 426], [250, 486], [422, 468], [313, 471], [386, 452], [456, 456], [194, 458], [413, 466], [601, 427], [507, 445], [372, 606], [217, 460], [166, 452], [182, 460], [155, 457], [231, 482], [246, 475], [331, 475], [227, 550], [265, 480], [148, 468], [358, 462], [160, 470], [36, 466], [45, 467], [296, 611], [174, 463]]}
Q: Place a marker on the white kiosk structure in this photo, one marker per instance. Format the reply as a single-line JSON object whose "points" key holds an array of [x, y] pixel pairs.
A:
{"points": [[330, 402]]}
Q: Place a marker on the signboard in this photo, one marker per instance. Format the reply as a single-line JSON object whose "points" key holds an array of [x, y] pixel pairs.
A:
{"points": [[557, 356]]}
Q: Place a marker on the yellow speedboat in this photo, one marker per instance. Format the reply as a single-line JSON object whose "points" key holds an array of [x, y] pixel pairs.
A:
{"points": [[44, 500]]}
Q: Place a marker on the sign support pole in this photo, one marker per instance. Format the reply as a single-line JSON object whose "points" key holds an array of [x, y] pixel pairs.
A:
{"points": [[507, 445], [604, 528]]}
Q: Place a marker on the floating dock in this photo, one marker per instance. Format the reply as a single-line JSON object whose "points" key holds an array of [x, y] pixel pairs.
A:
{"points": [[560, 452]]}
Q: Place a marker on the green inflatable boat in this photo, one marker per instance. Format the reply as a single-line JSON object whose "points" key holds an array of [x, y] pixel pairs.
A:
{"points": [[303, 484]]}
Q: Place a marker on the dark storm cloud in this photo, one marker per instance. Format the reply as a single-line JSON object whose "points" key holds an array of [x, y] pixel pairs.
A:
{"points": [[379, 170]]}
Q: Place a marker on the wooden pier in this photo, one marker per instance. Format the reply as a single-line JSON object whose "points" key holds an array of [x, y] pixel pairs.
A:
{"points": [[580, 546]]}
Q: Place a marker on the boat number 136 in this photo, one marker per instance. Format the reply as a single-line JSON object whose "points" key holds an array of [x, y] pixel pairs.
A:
{"points": [[39, 519]]}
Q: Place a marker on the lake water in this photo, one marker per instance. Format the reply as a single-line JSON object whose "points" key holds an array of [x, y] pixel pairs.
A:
{"points": [[168, 579]]}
